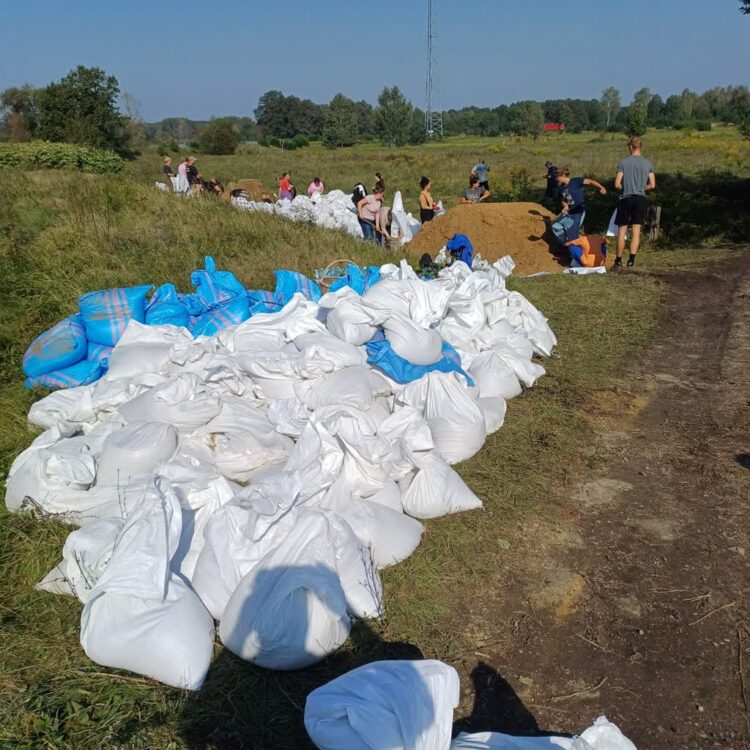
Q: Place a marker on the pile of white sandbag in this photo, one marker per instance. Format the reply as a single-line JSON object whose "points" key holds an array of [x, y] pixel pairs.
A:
{"points": [[333, 210], [408, 705], [262, 476]]}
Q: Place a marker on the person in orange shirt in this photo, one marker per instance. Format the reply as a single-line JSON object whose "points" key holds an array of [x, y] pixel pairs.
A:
{"points": [[589, 250]]}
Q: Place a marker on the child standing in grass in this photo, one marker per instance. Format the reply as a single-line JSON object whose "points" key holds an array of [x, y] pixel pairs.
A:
{"points": [[635, 176]]}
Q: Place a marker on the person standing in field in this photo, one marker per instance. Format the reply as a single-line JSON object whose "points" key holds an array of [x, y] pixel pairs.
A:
{"points": [[193, 177], [551, 190], [635, 175], [482, 172], [168, 173], [368, 213], [183, 186], [285, 186], [426, 204], [567, 226], [379, 182]]}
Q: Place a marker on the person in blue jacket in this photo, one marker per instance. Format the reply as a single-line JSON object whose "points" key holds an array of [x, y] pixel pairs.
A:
{"points": [[567, 226]]}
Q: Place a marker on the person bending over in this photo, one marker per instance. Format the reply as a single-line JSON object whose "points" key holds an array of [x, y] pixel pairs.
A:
{"points": [[368, 210], [567, 226]]}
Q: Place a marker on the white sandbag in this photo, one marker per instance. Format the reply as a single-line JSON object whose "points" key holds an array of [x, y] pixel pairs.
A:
{"points": [[420, 346], [387, 533], [386, 705], [389, 495], [85, 555], [493, 408], [352, 386], [317, 458], [494, 376], [436, 489], [141, 617], [183, 401], [133, 450], [601, 735], [323, 353], [201, 491], [348, 318], [242, 441], [288, 416], [65, 405], [454, 417]]}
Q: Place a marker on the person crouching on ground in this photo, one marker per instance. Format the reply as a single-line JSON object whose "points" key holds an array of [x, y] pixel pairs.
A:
{"points": [[368, 213], [426, 204], [588, 251], [635, 176], [474, 193], [567, 226]]}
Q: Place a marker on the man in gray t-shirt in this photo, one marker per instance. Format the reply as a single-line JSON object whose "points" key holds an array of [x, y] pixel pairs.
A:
{"points": [[635, 176]]}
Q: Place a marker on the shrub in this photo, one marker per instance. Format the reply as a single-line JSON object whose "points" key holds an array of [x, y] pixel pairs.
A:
{"points": [[46, 155], [218, 137]]}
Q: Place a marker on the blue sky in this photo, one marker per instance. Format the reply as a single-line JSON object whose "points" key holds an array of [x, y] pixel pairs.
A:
{"points": [[207, 58]]}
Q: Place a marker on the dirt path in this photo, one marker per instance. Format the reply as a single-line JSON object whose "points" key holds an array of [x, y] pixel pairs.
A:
{"points": [[630, 599]]}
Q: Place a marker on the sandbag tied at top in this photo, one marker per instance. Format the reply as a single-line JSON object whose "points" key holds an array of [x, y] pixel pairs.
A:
{"points": [[61, 346], [212, 288], [106, 313], [167, 308], [386, 705]]}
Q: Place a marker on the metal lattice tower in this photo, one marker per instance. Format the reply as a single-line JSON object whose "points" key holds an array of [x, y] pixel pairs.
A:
{"points": [[433, 116]]}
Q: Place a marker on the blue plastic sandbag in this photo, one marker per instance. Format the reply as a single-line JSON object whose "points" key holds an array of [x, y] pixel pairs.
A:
{"points": [[212, 321], [380, 355], [98, 352], [212, 288], [289, 283], [106, 313], [60, 346], [167, 308], [460, 248], [82, 373], [359, 279], [262, 301]]}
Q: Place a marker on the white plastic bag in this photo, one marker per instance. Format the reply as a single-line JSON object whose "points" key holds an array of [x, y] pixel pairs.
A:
{"points": [[386, 705]]}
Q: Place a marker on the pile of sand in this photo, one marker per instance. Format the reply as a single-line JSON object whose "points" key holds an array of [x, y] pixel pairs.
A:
{"points": [[495, 230]]}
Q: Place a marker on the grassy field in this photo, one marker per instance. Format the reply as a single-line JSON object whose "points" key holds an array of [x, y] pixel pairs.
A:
{"points": [[703, 176], [63, 234]]}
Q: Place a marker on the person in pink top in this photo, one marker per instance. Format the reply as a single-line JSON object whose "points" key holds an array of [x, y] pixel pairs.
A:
{"points": [[368, 213], [316, 186], [182, 181]]}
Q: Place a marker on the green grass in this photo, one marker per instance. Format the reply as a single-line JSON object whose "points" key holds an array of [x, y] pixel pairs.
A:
{"points": [[64, 234]]}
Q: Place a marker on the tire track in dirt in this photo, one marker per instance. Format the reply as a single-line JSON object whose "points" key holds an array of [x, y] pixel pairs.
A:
{"points": [[632, 599]]}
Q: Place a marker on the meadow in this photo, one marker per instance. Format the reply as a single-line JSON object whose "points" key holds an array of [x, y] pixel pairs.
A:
{"points": [[63, 233], [703, 177]]}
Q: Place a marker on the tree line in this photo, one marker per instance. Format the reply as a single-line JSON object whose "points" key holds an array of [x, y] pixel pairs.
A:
{"points": [[86, 107]]}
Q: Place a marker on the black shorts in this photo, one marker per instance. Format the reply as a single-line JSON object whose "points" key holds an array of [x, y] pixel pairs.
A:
{"points": [[485, 185], [632, 209]]}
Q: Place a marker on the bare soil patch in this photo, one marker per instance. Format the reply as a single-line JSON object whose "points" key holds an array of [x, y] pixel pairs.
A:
{"points": [[641, 610]]}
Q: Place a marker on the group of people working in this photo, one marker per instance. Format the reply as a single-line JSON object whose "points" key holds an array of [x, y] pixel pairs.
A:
{"points": [[288, 191], [634, 177], [189, 179]]}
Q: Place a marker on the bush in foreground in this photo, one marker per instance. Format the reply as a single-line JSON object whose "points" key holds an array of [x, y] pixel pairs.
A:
{"points": [[46, 155]]}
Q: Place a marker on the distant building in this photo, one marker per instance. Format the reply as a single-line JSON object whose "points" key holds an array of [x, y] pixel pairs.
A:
{"points": [[554, 127]]}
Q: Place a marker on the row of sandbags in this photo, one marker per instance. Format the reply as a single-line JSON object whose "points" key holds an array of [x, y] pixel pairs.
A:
{"points": [[408, 705], [333, 210], [260, 477]]}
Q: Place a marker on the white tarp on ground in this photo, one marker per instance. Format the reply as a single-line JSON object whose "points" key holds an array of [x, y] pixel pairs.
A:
{"points": [[333, 210], [408, 705], [338, 462]]}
